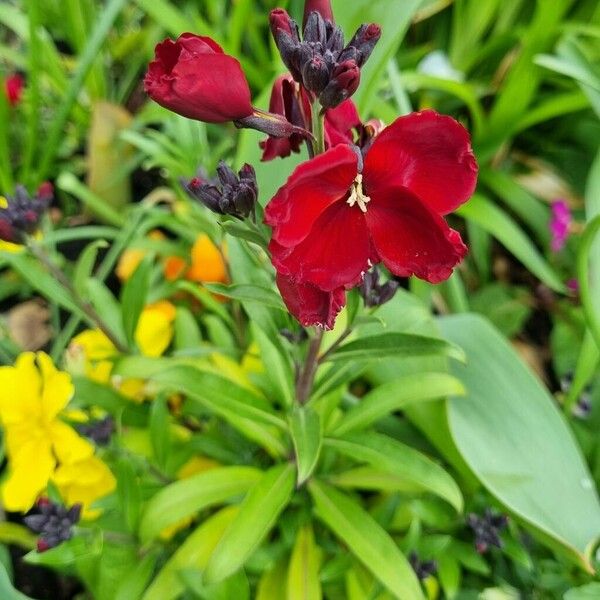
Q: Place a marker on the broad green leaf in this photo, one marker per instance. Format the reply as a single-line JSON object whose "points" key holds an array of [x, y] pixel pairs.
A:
{"points": [[369, 478], [496, 222], [239, 406], [106, 306], [303, 573], [194, 552], [248, 293], [396, 395], [366, 539], [133, 297], [511, 434], [273, 583], [387, 454], [187, 497], [305, 428], [387, 345], [129, 493], [257, 516]]}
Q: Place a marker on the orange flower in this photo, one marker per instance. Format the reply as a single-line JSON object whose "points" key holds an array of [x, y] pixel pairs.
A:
{"points": [[207, 263]]}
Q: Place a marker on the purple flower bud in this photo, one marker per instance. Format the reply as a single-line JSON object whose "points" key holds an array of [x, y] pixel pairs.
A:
{"points": [[315, 75], [322, 7], [487, 529], [344, 82], [20, 215], [54, 523], [375, 293], [361, 45]]}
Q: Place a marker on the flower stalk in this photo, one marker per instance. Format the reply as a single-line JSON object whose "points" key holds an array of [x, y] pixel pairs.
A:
{"points": [[38, 252]]}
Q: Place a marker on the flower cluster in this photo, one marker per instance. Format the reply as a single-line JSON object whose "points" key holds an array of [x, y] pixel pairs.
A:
{"points": [[54, 522], [41, 448], [20, 214], [487, 529], [368, 194]]}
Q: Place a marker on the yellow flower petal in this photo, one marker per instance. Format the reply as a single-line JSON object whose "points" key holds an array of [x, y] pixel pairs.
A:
{"points": [[29, 472], [155, 329], [57, 387], [20, 390], [96, 351], [68, 445], [84, 482]]}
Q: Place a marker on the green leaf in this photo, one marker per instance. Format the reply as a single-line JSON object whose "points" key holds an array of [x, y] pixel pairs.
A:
{"points": [[133, 298], [396, 395], [305, 428], [385, 453], [195, 552], [245, 231], [7, 591], [69, 552], [511, 434], [496, 222], [303, 573], [248, 293], [160, 429], [129, 493], [257, 516], [366, 539], [85, 265], [187, 332], [133, 586], [246, 411], [386, 345], [187, 497], [591, 591], [106, 306]]}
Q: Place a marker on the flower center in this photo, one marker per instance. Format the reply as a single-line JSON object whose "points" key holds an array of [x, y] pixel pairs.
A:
{"points": [[357, 196]]}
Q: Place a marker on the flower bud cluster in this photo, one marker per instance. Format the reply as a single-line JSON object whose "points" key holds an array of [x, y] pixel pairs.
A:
{"points": [[54, 523], [320, 61], [20, 215], [375, 293], [487, 529], [235, 195]]}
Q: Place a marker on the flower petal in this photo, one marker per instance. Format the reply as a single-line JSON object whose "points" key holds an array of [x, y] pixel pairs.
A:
{"points": [[427, 153], [411, 239], [339, 123], [69, 447], [29, 472], [335, 254], [20, 390], [312, 187], [58, 387], [154, 330], [309, 304]]}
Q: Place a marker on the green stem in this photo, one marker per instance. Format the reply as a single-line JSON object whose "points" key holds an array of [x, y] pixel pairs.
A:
{"points": [[318, 128], [585, 246], [307, 375], [86, 308]]}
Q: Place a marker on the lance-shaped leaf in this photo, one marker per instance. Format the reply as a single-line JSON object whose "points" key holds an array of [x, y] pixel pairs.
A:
{"points": [[366, 539], [303, 574], [305, 428], [257, 516]]}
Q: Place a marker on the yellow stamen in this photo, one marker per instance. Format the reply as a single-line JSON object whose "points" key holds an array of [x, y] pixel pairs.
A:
{"points": [[357, 195]]}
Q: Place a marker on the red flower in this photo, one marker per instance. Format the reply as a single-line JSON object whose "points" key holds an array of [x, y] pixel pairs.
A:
{"points": [[330, 222], [321, 6], [309, 304], [14, 88], [291, 101], [195, 78]]}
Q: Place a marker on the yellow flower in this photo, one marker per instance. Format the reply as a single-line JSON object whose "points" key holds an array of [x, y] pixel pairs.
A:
{"points": [[132, 257], [32, 395], [95, 351]]}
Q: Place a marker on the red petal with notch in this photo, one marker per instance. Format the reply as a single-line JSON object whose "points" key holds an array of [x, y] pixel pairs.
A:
{"points": [[311, 189], [429, 154], [410, 238], [309, 304]]}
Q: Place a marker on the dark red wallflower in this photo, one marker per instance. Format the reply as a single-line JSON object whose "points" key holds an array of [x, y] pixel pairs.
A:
{"points": [[330, 222], [309, 304], [195, 78], [291, 101], [14, 85], [323, 7]]}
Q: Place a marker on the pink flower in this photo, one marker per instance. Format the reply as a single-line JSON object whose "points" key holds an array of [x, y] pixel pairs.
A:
{"points": [[560, 224]]}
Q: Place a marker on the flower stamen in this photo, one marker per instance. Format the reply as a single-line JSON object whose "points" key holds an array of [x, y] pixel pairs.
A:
{"points": [[357, 196]]}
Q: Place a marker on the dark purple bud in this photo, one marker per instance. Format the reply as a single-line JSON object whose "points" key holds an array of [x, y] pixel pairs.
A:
{"points": [[20, 215], [287, 38], [315, 30], [344, 82], [323, 7], [226, 174], [54, 523], [375, 293], [487, 529], [361, 45], [315, 75], [422, 568], [98, 431]]}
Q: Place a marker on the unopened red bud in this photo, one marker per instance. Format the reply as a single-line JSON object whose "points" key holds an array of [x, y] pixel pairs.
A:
{"points": [[274, 125], [287, 38], [14, 88], [344, 82], [323, 7]]}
